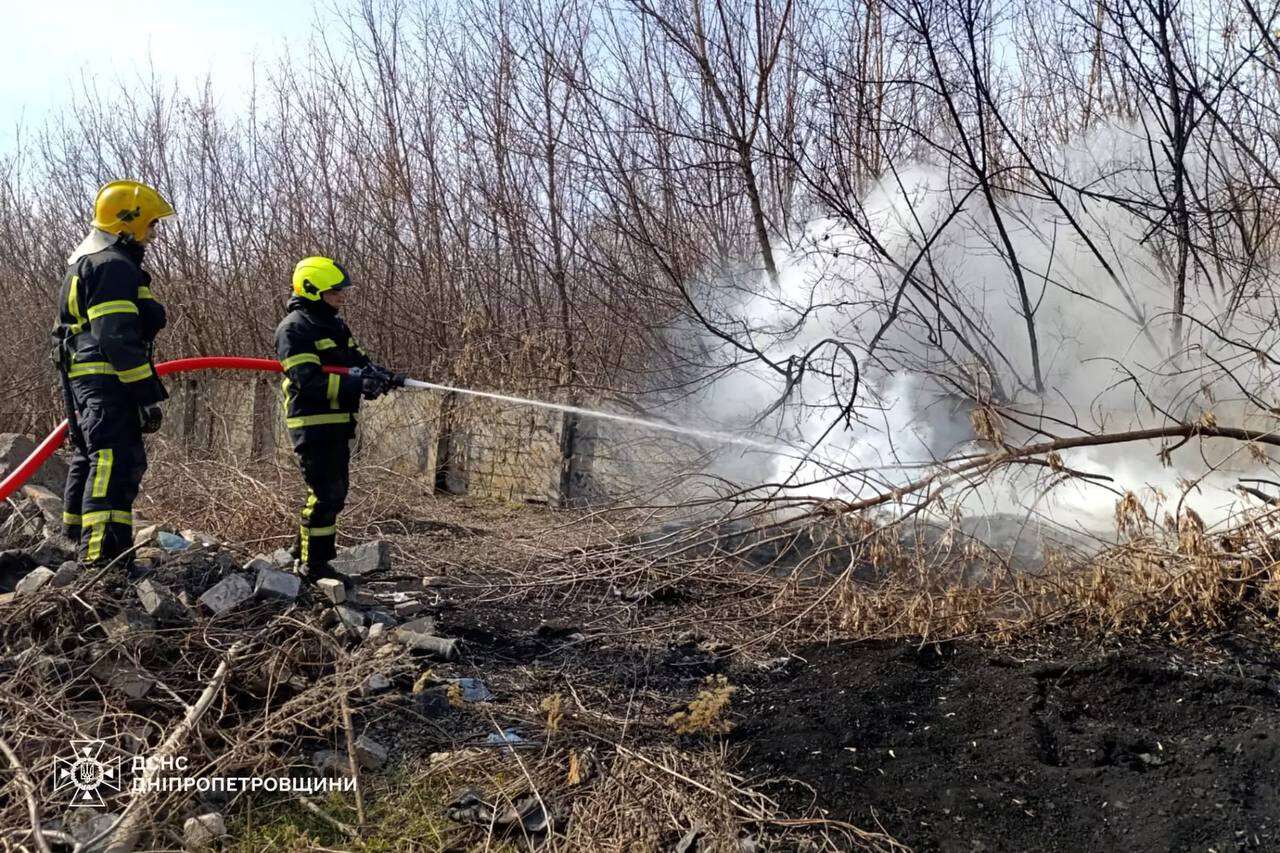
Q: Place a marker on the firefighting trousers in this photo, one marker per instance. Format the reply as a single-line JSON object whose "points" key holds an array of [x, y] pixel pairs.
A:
{"points": [[108, 460], [325, 467]]}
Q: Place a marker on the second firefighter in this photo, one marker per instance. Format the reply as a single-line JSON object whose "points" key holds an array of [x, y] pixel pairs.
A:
{"points": [[320, 408]]}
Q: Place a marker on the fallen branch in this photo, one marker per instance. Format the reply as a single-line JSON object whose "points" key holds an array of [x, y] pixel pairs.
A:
{"points": [[33, 807], [125, 831]]}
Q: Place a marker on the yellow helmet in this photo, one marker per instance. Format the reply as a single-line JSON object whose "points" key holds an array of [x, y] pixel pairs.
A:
{"points": [[314, 275], [129, 207]]}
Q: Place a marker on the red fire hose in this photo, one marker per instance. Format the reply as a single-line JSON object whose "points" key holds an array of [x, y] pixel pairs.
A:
{"points": [[14, 480]]}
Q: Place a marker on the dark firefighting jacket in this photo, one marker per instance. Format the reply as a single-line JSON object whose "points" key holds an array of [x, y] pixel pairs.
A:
{"points": [[108, 320], [318, 406]]}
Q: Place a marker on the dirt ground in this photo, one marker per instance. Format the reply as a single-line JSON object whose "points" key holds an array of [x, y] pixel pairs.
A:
{"points": [[960, 748]]}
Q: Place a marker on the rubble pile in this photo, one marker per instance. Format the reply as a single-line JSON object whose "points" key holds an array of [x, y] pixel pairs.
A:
{"points": [[200, 652]]}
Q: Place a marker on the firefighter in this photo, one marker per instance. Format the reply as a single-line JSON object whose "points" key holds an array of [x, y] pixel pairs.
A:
{"points": [[320, 408], [103, 344]]}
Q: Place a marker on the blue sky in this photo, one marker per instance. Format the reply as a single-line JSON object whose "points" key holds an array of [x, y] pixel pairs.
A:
{"points": [[50, 42]]}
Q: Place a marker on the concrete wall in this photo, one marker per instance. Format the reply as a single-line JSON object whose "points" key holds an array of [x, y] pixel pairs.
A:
{"points": [[463, 445]]}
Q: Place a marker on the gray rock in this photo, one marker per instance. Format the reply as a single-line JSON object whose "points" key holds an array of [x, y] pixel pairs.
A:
{"points": [[200, 832], [434, 582], [145, 535], [376, 682], [159, 602], [371, 754], [276, 584], [14, 449], [331, 763], [445, 649], [363, 559], [377, 632], [14, 565], [54, 550], [281, 558], [49, 504], [35, 579], [86, 826], [66, 574], [225, 561], [332, 589], [421, 625], [349, 616], [227, 594]]}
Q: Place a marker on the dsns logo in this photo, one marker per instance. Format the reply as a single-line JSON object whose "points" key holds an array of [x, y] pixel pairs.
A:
{"points": [[86, 774]]}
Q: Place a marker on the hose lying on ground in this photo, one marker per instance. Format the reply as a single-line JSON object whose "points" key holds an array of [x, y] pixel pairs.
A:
{"points": [[15, 478]]}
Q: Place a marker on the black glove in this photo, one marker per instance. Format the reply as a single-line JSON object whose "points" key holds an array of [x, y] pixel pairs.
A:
{"points": [[374, 382], [152, 417]]}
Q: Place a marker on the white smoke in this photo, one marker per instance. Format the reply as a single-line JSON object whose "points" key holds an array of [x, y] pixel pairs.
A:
{"points": [[1103, 341]]}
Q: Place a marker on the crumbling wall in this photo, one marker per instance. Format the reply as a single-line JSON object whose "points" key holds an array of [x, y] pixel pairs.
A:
{"points": [[502, 451], [454, 443]]}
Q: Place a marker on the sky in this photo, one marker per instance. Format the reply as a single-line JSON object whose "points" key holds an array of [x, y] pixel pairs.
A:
{"points": [[51, 42]]}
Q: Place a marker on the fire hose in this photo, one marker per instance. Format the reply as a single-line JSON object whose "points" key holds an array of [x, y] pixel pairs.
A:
{"points": [[14, 480]]}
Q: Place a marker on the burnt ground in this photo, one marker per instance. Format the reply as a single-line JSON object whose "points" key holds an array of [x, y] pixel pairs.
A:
{"points": [[952, 747], [960, 748], [955, 747]]}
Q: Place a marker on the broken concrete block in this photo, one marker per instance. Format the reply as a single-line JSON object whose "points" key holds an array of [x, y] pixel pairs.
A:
{"points": [[227, 594], [363, 559], [445, 649], [258, 563], [412, 607], [66, 575], [49, 504], [349, 616], [14, 449], [201, 832], [154, 556], [159, 602], [34, 580], [371, 754], [376, 682], [128, 623], [145, 535], [332, 589], [276, 584]]}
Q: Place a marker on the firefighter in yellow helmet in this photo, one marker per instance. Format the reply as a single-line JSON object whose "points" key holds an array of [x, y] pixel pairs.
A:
{"points": [[320, 408], [103, 340]]}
